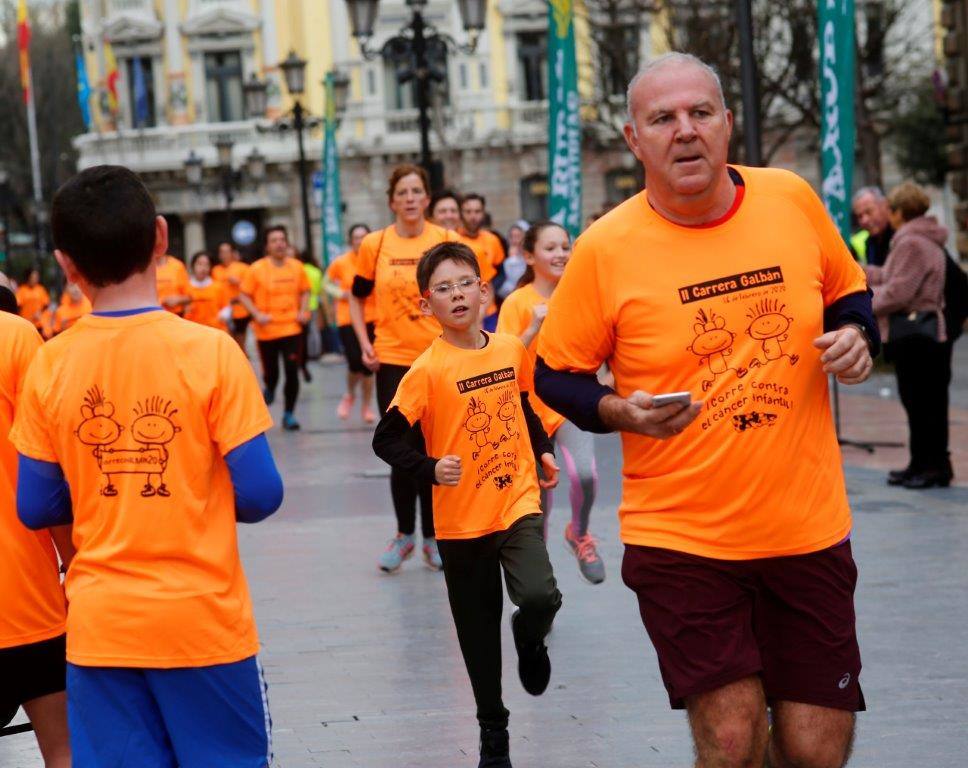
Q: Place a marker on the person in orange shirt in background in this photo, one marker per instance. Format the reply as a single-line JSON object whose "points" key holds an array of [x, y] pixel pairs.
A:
{"points": [[547, 248], [230, 271], [32, 298], [172, 280], [32, 640], [730, 289], [339, 285], [469, 394], [485, 244], [148, 434], [209, 300], [73, 306], [386, 267], [275, 291]]}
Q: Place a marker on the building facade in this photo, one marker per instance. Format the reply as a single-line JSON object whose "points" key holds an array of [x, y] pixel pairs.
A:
{"points": [[181, 66]]}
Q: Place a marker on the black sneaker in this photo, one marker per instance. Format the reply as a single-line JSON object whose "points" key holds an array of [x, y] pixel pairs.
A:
{"points": [[534, 666], [495, 750]]}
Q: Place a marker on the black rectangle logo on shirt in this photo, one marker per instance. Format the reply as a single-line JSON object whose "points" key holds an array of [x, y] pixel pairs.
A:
{"points": [[485, 380], [723, 285]]}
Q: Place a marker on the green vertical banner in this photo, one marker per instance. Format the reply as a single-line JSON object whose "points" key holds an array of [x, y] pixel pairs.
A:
{"points": [[564, 121], [836, 29], [333, 244]]}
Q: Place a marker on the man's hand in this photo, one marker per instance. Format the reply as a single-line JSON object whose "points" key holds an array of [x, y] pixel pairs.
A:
{"points": [[847, 354], [447, 471], [637, 414], [550, 470], [370, 360]]}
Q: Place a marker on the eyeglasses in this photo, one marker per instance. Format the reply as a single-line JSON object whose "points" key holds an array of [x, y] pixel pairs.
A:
{"points": [[442, 290]]}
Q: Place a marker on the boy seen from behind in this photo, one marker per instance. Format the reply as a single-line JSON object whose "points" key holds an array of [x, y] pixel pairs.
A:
{"points": [[147, 432], [469, 391]]}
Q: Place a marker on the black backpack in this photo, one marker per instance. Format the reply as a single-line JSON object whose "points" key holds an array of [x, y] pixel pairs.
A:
{"points": [[955, 297]]}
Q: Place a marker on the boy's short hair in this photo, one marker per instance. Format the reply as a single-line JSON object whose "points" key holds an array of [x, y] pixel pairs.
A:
{"points": [[472, 196], [104, 219], [438, 255], [270, 230]]}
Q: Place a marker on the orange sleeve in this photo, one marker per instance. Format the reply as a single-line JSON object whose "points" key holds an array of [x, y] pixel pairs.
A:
{"points": [[413, 393], [333, 271], [46, 296], [525, 369], [365, 261], [513, 317], [30, 432], [497, 250], [249, 282], [578, 333], [237, 411], [182, 279]]}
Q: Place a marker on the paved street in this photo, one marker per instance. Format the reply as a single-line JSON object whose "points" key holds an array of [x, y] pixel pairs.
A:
{"points": [[364, 669]]}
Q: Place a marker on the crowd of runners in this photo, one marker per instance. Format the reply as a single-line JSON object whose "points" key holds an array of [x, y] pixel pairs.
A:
{"points": [[492, 364]]}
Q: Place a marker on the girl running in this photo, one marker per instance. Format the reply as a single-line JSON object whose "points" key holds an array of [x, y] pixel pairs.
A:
{"points": [[208, 300], [547, 249], [386, 266]]}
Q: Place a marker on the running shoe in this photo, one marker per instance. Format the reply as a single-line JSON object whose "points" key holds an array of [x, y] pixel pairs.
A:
{"points": [[345, 404], [369, 415], [495, 749], [289, 422], [431, 555], [398, 550], [590, 565], [268, 395], [534, 666]]}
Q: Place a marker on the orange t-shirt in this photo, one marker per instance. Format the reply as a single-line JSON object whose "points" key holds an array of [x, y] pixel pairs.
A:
{"points": [[69, 312], [207, 302], [235, 271], [402, 330], [277, 291], [32, 299], [341, 271], [33, 599], [139, 412], [468, 403], [172, 280], [728, 312], [516, 314], [487, 247]]}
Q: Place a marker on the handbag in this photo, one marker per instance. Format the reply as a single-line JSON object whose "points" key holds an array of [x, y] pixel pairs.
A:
{"points": [[912, 325]]}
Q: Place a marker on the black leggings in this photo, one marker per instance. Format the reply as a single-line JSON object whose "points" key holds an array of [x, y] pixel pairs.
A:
{"points": [[403, 488], [269, 351], [923, 369]]}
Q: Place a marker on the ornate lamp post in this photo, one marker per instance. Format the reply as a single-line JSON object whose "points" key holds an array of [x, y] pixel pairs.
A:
{"points": [[230, 179], [415, 50]]}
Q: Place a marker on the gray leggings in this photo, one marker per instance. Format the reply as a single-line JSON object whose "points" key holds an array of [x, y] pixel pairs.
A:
{"points": [[576, 457]]}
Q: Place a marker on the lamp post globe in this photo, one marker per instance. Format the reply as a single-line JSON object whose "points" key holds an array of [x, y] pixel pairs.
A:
{"points": [[473, 15], [341, 90], [362, 17], [193, 169], [256, 96], [224, 145], [294, 71]]}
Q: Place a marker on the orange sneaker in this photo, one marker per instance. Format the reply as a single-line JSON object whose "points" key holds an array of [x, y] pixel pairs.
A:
{"points": [[344, 407], [369, 415]]}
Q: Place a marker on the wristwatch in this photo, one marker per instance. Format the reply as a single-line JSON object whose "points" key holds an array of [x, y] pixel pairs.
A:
{"points": [[863, 332]]}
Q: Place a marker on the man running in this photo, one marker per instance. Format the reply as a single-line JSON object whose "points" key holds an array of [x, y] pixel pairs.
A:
{"points": [[485, 244], [734, 285]]}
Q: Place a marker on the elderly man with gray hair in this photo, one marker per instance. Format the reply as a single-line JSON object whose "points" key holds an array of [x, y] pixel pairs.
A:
{"points": [[722, 297], [873, 215]]}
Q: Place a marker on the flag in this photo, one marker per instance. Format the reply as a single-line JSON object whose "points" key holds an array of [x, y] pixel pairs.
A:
{"points": [[332, 205], [836, 30], [111, 77], [564, 122], [83, 87], [23, 45], [140, 94]]}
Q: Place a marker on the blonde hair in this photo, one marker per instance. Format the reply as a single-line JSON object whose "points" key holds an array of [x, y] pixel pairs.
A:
{"points": [[909, 199]]}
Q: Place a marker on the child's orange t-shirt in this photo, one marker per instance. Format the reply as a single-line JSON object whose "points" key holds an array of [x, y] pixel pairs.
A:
{"points": [[342, 271], [139, 412], [171, 279], [69, 312], [236, 272], [390, 261], [468, 403], [277, 291], [515, 316], [207, 302], [728, 312], [33, 599], [32, 299]]}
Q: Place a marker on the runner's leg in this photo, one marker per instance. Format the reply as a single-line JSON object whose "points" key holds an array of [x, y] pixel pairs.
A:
{"points": [[403, 489], [269, 354], [289, 347], [805, 735], [729, 725], [48, 715], [578, 455]]}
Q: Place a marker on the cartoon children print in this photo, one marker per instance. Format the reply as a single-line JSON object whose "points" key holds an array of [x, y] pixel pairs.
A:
{"points": [[478, 424], [152, 429], [507, 410], [769, 325], [405, 302], [99, 429], [712, 345]]}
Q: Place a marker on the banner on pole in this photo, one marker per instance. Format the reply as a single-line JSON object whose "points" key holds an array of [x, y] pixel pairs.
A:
{"points": [[564, 121], [83, 87], [332, 208], [836, 30]]}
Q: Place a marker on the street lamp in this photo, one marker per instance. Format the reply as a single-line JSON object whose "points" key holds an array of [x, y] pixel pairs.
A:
{"points": [[230, 179], [341, 89], [256, 96], [413, 49], [193, 169]]}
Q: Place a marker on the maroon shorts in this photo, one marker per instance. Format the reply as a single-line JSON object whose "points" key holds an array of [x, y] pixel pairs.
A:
{"points": [[789, 620]]}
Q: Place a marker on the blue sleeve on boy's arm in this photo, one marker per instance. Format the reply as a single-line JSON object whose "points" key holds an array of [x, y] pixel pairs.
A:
{"points": [[256, 480], [43, 496]]}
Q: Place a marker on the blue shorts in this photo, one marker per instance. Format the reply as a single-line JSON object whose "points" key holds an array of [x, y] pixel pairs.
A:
{"points": [[201, 717]]}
